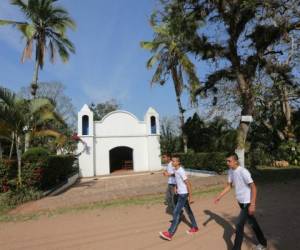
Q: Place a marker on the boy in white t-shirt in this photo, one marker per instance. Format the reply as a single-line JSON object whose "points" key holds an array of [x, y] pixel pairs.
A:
{"points": [[184, 199], [170, 192], [245, 191]]}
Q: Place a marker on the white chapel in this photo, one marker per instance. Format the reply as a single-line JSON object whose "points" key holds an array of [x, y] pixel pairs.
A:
{"points": [[119, 141]]}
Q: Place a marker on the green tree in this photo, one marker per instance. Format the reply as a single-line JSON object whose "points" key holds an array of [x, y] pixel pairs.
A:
{"points": [[172, 60], [240, 38], [212, 136], [169, 136], [23, 119], [45, 30], [55, 91], [103, 108]]}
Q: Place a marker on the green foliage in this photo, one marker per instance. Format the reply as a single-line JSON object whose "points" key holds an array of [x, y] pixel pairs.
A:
{"points": [[102, 109], [58, 169], [213, 136], [8, 173], [289, 151], [258, 156], [44, 171], [44, 15], [37, 154], [20, 195], [213, 161], [170, 140]]}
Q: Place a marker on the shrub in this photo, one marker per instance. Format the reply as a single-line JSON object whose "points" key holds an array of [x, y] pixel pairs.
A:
{"points": [[8, 173], [58, 169], [35, 160], [20, 195], [35, 155], [258, 157], [289, 151], [214, 161]]}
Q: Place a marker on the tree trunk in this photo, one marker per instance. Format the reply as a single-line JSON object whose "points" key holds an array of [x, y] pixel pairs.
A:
{"points": [[247, 109], [1, 151], [178, 88], [19, 152], [27, 141], [181, 118], [287, 112], [34, 84], [12, 145]]}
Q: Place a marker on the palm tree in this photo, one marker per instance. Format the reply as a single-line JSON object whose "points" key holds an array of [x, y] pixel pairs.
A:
{"points": [[22, 117], [171, 59], [45, 30]]}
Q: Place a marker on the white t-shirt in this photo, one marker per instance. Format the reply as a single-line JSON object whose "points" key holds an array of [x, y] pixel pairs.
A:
{"points": [[180, 177], [170, 169], [240, 179]]}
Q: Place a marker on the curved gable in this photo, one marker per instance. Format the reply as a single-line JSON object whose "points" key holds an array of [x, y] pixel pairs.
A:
{"points": [[114, 114], [120, 123]]}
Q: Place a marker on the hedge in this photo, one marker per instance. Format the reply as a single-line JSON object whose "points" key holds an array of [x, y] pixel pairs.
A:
{"points": [[8, 173], [58, 169], [40, 170], [213, 161]]}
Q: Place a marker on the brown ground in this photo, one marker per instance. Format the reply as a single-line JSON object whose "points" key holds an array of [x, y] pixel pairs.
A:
{"points": [[137, 227]]}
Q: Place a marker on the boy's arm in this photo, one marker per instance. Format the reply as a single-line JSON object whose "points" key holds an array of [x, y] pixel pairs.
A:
{"points": [[252, 206], [225, 191], [189, 188], [165, 173]]}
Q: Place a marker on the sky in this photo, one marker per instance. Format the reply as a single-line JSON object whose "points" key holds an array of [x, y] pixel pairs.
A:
{"points": [[109, 62]]}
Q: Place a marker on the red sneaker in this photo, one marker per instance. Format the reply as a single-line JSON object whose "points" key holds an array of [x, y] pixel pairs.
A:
{"points": [[165, 235], [193, 230]]}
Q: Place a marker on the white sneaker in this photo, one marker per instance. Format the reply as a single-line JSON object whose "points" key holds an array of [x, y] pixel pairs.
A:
{"points": [[260, 247]]}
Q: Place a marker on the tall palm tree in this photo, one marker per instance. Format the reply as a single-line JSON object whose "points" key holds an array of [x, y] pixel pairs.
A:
{"points": [[45, 30], [21, 117], [171, 60]]}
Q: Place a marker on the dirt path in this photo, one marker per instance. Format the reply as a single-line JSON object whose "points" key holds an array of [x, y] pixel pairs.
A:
{"points": [[110, 188], [137, 227]]}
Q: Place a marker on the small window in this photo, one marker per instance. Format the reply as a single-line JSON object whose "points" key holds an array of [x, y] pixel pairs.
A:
{"points": [[85, 125], [153, 124]]}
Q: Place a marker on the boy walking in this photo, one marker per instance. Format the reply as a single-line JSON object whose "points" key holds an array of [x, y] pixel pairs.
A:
{"points": [[245, 191], [184, 199], [170, 192]]}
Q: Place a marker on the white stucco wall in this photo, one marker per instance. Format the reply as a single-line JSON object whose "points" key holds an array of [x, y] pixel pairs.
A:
{"points": [[104, 145], [117, 129], [119, 123], [86, 159]]}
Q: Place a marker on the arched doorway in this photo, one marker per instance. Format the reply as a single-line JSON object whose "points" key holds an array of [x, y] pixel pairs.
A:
{"points": [[120, 158]]}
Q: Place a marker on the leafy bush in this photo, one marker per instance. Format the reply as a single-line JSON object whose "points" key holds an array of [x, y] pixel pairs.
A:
{"points": [[20, 195], [214, 161], [8, 173], [35, 155], [58, 169], [43, 171], [35, 160], [289, 151], [258, 157]]}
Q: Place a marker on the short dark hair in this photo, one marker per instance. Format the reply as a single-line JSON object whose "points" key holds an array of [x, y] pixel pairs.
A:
{"points": [[167, 154], [176, 156], [232, 154]]}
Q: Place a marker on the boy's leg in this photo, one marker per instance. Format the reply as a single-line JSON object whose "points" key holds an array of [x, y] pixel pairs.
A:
{"points": [[172, 199], [257, 230], [168, 200], [190, 214], [240, 227], [167, 195], [177, 212]]}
